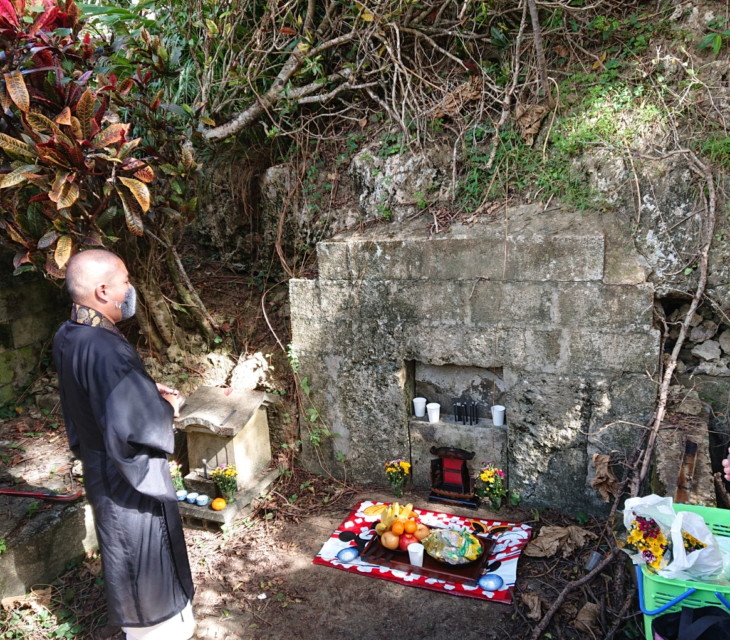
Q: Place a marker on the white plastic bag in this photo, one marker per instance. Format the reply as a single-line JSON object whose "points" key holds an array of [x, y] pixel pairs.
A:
{"points": [[652, 506], [700, 563], [647, 522]]}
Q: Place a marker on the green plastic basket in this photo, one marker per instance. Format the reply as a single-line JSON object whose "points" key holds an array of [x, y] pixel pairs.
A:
{"points": [[658, 595]]}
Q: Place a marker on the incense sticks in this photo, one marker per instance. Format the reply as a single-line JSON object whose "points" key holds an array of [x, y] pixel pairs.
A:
{"points": [[466, 412]]}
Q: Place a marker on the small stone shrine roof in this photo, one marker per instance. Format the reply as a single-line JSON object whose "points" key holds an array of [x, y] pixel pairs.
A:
{"points": [[223, 411]]}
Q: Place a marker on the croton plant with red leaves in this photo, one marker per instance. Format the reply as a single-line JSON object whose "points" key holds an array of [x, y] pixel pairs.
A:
{"points": [[66, 158]]}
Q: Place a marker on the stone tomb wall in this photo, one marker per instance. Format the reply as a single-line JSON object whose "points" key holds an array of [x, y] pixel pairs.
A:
{"points": [[549, 314], [31, 309]]}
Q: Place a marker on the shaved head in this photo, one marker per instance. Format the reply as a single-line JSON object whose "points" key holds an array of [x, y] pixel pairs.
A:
{"points": [[87, 270]]}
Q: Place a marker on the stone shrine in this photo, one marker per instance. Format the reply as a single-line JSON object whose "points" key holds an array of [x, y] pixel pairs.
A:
{"points": [[226, 427]]}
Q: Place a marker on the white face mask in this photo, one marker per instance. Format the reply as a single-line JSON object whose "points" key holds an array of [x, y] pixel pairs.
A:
{"points": [[129, 304]]}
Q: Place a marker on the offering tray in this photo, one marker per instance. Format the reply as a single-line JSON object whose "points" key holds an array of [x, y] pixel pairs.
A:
{"points": [[376, 553]]}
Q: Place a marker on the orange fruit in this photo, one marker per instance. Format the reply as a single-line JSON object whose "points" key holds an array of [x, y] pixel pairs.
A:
{"points": [[397, 527], [410, 526], [218, 504]]}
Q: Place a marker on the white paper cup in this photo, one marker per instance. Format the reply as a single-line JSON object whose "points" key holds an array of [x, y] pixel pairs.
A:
{"points": [[434, 411], [419, 407], [498, 415], [415, 554]]}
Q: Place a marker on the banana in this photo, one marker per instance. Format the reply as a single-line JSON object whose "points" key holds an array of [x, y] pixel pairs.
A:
{"points": [[405, 512], [380, 528], [375, 509]]}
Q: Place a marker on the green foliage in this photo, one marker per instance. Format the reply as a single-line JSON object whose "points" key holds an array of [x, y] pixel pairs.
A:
{"points": [[717, 39], [717, 149], [3, 546], [73, 173]]}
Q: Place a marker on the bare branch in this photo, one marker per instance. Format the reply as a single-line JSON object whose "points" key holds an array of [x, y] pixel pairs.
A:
{"points": [[274, 93]]}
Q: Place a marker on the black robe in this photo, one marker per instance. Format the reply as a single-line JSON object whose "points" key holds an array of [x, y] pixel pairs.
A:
{"points": [[120, 427]]}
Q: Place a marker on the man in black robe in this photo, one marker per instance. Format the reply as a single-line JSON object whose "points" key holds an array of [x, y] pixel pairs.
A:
{"points": [[119, 423]]}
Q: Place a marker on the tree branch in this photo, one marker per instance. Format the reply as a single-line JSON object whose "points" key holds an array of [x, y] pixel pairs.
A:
{"points": [[274, 93]]}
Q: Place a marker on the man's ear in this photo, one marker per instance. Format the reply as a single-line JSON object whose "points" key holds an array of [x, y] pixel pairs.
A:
{"points": [[101, 292]]}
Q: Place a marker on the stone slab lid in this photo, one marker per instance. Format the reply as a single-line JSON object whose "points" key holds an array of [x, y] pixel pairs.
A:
{"points": [[223, 411]]}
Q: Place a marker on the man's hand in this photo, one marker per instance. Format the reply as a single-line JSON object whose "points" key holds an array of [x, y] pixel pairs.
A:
{"points": [[165, 390], [173, 396], [726, 468]]}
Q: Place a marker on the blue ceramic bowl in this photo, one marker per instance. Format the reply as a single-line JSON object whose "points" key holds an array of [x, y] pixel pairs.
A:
{"points": [[202, 500], [181, 495], [192, 497]]}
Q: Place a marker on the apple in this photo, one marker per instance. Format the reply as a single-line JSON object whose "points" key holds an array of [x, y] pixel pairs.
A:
{"points": [[405, 540], [421, 532]]}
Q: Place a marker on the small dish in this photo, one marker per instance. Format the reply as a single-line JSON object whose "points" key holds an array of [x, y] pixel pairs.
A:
{"points": [[202, 500], [192, 497], [181, 495]]}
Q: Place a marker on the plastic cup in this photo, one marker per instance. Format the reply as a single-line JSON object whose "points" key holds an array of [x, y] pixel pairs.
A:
{"points": [[592, 561], [415, 554], [434, 411], [419, 407], [498, 415]]}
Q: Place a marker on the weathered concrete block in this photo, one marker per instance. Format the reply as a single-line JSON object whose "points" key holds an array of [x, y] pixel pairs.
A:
{"points": [[333, 260], [589, 304], [382, 259], [631, 352], [429, 303], [487, 347], [43, 547], [534, 350], [304, 297], [461, 258], [488, 442], [509, 303], [560, 258]]}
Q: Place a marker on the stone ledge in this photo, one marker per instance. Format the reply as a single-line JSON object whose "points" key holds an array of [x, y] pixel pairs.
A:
{"points": [[196, 517], [42, 549]]}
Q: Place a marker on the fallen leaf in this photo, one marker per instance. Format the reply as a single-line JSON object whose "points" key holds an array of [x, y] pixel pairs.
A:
{"points": [[36, 600], [605, 481], [529, 117], [587, 617], [553, 539], [453, 102], [532, 601]]}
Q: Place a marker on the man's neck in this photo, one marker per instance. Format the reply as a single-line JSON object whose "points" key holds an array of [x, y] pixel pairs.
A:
{"points": [[88, 316]]}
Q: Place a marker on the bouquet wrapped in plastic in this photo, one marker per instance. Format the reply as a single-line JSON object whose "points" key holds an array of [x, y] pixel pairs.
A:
{"points": [[646, 528], [676, 545], [696, 553], [452, 546]]}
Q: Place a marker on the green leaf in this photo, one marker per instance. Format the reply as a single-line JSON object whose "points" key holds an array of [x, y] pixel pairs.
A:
{"points": [[23, 269]]}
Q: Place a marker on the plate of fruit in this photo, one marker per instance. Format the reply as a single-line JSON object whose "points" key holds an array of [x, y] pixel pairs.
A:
{"points": [[399, 526]]}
